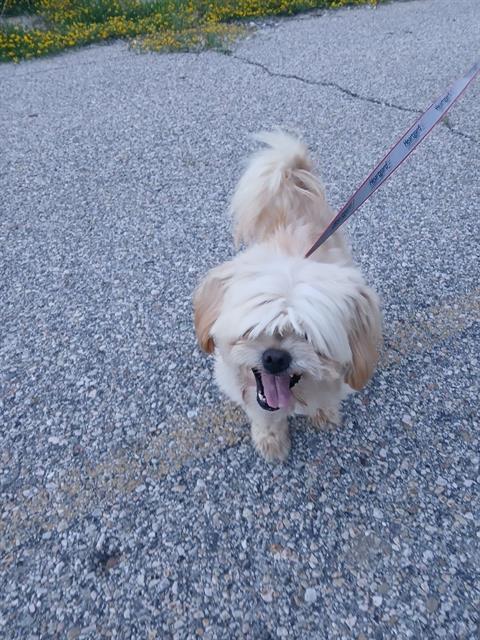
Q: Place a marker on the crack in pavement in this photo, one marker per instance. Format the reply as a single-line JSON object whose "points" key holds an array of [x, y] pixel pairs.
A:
{"points": [[348, 92], [323, 83], [274, 74], [457, 132]]}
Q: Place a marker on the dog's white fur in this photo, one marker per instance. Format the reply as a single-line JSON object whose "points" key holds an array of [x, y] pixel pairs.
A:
{"points": [[269, 296]]}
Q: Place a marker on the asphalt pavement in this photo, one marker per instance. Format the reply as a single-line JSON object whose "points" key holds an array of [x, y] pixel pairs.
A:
{"points": [[132, 502]]}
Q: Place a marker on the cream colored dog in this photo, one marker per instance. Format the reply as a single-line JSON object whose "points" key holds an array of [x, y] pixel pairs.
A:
{"points": [[290, 335]]}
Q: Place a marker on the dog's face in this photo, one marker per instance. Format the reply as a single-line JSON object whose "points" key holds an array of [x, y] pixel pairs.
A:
{"points": [[285, 324], [282, 367]]}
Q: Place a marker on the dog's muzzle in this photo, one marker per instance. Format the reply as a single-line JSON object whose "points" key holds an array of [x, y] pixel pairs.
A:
{"points": [[274, 391]]}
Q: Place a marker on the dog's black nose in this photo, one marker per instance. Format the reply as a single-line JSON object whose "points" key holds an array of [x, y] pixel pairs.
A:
{"points": [[276, 360]]}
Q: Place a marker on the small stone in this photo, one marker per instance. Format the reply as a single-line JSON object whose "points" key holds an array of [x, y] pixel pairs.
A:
{"points": [[377, 601], [267, 594], [164, 584], [54, 440], [112, 562], [406, 420], [351, 621], [383, 588], [377, 513], [87, 631], [431, 604], [310, 595]]}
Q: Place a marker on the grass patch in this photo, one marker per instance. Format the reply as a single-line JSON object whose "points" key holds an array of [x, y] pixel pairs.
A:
{"points": [[155, 24], [16, 7]]}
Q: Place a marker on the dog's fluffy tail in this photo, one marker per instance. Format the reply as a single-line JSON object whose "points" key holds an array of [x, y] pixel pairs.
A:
{"points": [[277, 189]]}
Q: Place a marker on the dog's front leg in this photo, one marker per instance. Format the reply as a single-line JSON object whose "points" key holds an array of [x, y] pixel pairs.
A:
{"points": [[269, 433]]}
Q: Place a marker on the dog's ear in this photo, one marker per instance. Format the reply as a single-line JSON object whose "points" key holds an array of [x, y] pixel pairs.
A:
{"points": [[365, 337], [207, 303]]}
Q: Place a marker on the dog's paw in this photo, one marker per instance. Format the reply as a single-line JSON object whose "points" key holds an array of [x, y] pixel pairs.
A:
{"points": [[326, 419], [273, 447]]}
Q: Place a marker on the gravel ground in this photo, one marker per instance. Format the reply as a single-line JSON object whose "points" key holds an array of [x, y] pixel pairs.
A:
{"points": [[132, 503]]}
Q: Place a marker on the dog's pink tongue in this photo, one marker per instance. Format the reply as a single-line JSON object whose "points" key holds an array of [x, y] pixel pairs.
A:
{"points": [[277, 390]]}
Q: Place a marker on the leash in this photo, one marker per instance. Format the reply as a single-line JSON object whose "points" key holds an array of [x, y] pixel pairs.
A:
{"points": [[399, 152]]}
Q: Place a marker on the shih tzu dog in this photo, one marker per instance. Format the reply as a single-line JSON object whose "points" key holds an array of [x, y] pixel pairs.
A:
{"points": [[291, 335]]}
